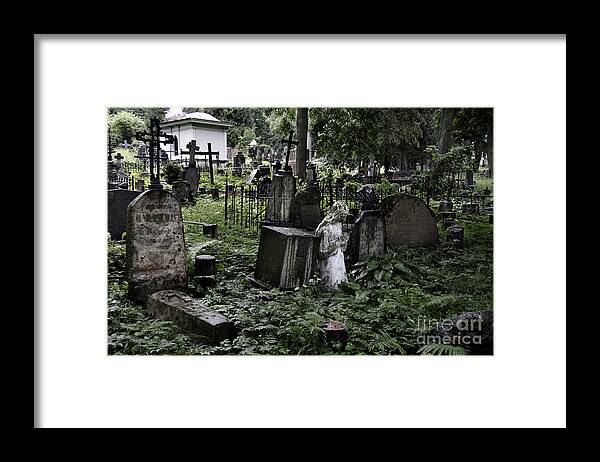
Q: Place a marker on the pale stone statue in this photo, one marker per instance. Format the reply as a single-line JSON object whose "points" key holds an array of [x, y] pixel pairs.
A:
{"points": [[332, 245]]}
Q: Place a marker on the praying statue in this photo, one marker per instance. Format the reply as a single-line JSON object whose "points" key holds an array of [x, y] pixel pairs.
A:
{"points": [[332, 245]]}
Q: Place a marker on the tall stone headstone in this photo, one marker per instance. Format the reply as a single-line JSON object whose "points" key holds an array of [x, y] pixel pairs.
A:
{"points": [[409, 221], [367, 238], [286, 256], [192, 176], [279, 207], [156, 258], [118, 200]]}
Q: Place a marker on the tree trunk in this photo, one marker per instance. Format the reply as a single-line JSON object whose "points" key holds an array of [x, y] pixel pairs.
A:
{"points": [[489, 148], [445, 129], [301, 152]]}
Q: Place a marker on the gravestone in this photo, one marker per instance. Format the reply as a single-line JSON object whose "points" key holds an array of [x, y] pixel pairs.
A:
{"points": [[456, 235], [139, 185], [445, 206], [286, 256], [279, 207], [367, 238], [307, 212], [156, 258], [409, 221], [182, 191], [190, 315], [118, 200], [192, 176], [470, 179]]}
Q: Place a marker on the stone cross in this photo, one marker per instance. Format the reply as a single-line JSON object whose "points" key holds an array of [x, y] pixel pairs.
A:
{"points": [[209, 153], [289, 143], [192, 149]]}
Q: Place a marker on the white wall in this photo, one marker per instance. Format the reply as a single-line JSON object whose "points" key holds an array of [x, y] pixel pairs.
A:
{"points": [[217, 136]]}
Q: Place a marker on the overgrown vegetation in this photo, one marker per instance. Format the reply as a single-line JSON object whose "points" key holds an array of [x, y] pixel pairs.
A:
{"points": [[381, 304]]}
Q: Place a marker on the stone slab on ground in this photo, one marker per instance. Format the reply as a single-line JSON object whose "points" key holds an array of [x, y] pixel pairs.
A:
{"points": [[190, 315]]}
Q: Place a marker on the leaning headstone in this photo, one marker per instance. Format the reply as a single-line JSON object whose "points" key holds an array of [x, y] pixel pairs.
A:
{"points": [[118, 200], [182, 191], [409, 221], [156, 258], [190, 315], [367, 238], [286, 256], [192, 176], [279, 207], [307, 212]]}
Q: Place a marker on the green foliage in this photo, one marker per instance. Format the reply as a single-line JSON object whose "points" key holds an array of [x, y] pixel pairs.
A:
{"points": [[123, 125], [442, 349], [171, 171]]}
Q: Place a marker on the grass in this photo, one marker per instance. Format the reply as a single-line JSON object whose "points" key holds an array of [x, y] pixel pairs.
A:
{"points": [[381, 308]]}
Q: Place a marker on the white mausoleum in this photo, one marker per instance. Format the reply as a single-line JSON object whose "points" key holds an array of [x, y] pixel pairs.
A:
{"points": [[198, 126]]}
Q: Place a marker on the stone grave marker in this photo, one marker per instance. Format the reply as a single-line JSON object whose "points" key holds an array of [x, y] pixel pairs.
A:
{"points": [[156, 258], [190, 315], [409, 221], [118, 200], [139, 185], [286, 256], [279, 207], [307, 212], [367, 238]]}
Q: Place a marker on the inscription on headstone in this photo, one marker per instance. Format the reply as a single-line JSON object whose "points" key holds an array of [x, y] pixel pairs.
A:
{"points": [[279, 207], [156, 258], [367, 238]]}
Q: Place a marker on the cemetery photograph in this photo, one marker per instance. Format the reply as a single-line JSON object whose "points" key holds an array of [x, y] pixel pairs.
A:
{"points": [[300, 231]]}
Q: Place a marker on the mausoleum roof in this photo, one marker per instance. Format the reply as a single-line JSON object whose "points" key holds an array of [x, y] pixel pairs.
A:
{"points": [[202, 117]]}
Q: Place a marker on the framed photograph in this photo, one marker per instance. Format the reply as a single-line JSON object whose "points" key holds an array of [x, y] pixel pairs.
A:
{"points": [[366, 236]]}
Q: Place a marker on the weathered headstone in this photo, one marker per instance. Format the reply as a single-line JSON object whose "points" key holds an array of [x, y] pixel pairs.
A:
{"points": [[306, 209], [190, 315], [192, 176], [367, 238], [182, 191], [409, 221], [118, 200], [140, 185], [286, 256], [445, 206], [279, 207], [156, 258]]}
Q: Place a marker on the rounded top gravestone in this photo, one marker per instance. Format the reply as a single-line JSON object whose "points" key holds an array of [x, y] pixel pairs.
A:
{"points": [[409, 221], [156, 258]]}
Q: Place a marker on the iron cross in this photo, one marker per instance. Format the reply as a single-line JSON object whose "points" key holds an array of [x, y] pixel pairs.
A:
{"points": [[210, 162], [289, 143], [192, 149]]}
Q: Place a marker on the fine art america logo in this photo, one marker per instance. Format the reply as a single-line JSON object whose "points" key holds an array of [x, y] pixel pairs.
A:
{"points": [[466, 331]]}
